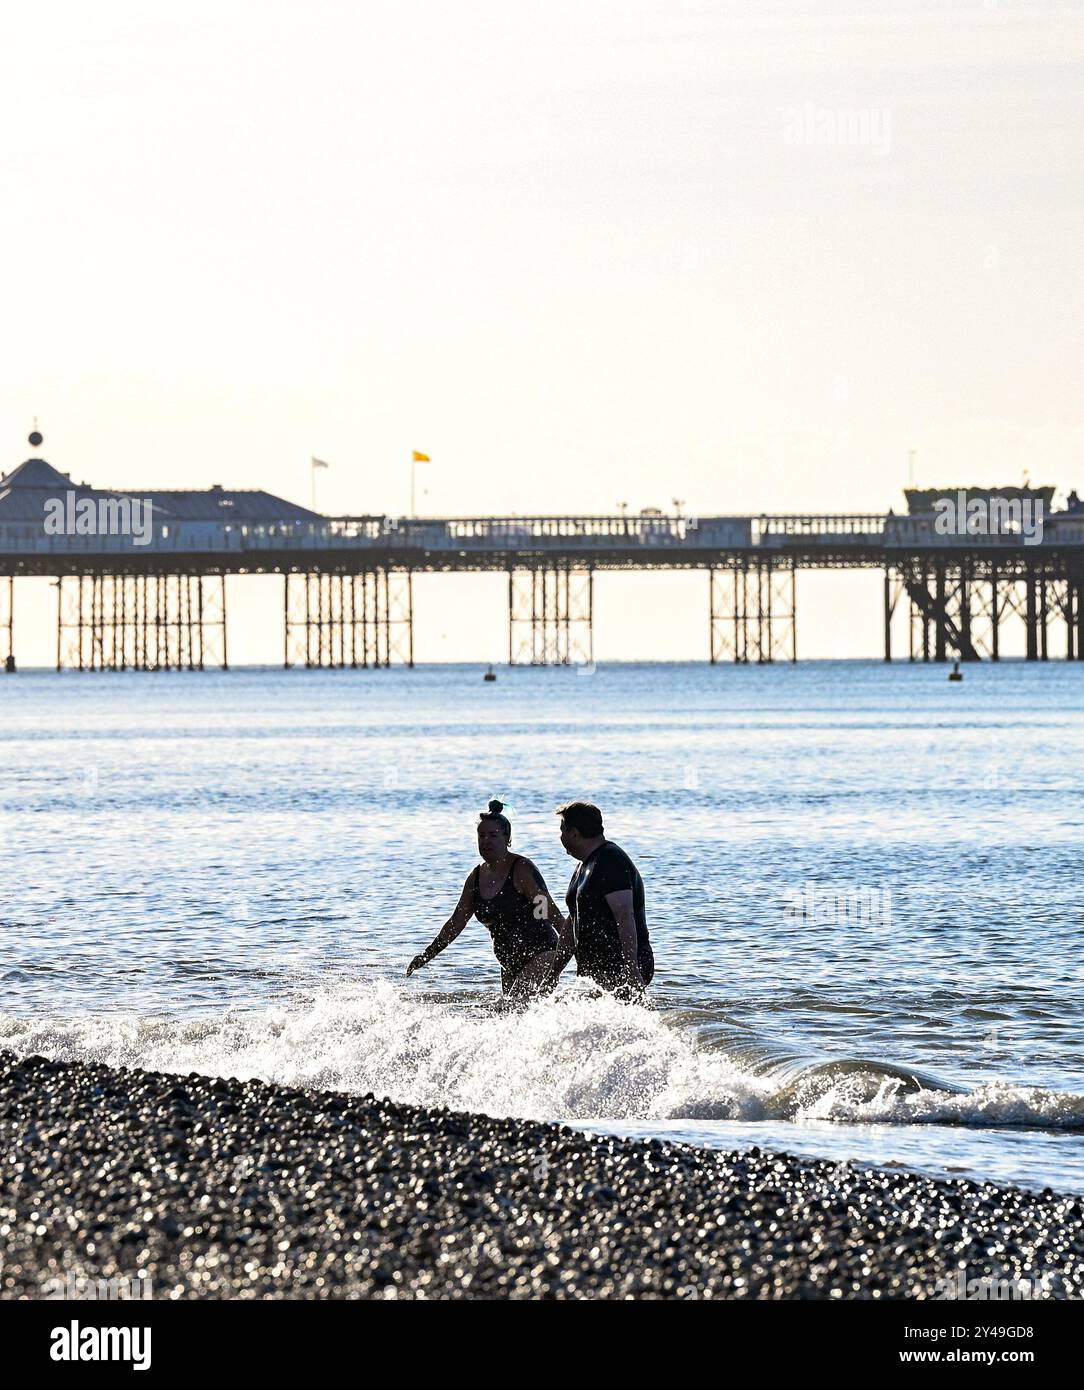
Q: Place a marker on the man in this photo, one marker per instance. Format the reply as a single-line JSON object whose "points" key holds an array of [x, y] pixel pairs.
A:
{"points": [[607, 927]]}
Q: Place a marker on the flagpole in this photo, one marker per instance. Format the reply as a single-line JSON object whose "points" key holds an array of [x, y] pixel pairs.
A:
{"points": [[415, 459], [314, 464]]}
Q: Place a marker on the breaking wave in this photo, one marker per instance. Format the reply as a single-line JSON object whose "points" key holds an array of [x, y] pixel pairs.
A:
{"points": [[572, 1058]]}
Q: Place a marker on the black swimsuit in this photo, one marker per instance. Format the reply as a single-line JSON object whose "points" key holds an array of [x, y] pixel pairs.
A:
{"points": [[518, 935], [599, 952]]}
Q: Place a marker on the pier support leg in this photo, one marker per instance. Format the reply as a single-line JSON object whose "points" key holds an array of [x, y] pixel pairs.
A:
{"points": [[888, 615], [339, 619], [995, 616], [1080, 618], [1031, 618], [727, 597], [774, 630], [940, 635], [966, 651], [753, 612], [7, 623], [550, 616], [943, 602], [157, 622], [211, 599]]}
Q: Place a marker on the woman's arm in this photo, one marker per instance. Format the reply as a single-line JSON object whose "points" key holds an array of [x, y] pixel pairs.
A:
{"points": [[531, 884], [464, 910]]}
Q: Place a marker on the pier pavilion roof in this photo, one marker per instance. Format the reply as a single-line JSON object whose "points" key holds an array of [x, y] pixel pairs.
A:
{"points": [[241, 506], [25, 490]]}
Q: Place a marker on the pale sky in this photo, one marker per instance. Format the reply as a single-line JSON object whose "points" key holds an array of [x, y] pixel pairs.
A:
{"points": [[567, 249]]}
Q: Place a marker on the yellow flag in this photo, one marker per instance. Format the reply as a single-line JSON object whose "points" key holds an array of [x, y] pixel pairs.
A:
{"points": [[421, 458]]}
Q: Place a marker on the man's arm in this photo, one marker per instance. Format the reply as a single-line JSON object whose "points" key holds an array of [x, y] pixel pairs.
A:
{"points": [[464, 910], [620, 904]]}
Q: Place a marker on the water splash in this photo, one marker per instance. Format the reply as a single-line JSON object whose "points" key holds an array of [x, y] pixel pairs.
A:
{"points": [[576, 1057]]}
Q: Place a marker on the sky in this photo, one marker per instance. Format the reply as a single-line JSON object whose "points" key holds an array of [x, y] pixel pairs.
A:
{"points": [[758, 257]]}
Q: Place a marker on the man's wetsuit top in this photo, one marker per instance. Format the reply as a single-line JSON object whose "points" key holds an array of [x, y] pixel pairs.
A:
{"points": [[518, 935], [607, 869]]}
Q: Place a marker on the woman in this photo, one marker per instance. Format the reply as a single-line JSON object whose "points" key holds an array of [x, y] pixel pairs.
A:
{"points": [[509, 896]]}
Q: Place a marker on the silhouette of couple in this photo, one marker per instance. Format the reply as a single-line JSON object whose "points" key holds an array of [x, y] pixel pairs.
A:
{"points": [[606, 927]]}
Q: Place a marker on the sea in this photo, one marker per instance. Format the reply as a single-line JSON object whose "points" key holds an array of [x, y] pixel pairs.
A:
{"points": [[864, 890]]}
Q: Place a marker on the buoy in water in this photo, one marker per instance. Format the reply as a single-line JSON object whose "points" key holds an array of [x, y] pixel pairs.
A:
{"points": [[955, 674], [490, 675]]}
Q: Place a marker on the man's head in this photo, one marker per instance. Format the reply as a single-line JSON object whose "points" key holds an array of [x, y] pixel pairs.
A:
{"points": [[581, 828]]}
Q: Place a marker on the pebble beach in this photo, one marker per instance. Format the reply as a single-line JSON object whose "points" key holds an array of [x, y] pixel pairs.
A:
{"points": [[218, 1188]]}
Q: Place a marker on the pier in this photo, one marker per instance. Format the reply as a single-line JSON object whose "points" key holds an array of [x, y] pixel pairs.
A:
{"points": [[141, 577]]}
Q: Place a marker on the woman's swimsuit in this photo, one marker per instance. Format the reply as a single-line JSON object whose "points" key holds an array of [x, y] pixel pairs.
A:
{"points": [[518, 935]]}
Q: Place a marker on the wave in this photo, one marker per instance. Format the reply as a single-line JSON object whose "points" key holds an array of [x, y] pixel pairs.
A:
{"points": [[576, 1057]]}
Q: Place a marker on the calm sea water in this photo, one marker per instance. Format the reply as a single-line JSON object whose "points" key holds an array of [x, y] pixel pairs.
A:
{"points": [[864, 891]]}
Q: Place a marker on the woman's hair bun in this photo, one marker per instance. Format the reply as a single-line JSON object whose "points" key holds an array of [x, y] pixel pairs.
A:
{"points": [[496, 807]]}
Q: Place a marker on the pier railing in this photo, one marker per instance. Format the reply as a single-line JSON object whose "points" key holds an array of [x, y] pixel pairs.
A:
{"points": [[593, 535]]}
